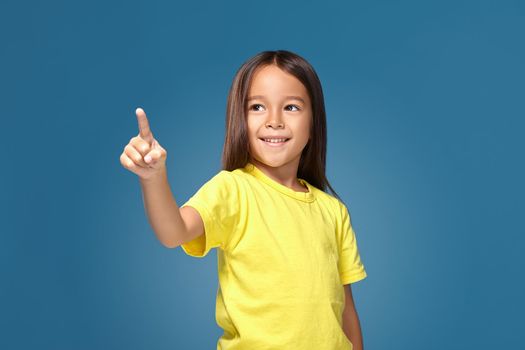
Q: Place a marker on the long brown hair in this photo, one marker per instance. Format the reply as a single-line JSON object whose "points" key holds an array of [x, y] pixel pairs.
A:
{"points": [[235, 152]]}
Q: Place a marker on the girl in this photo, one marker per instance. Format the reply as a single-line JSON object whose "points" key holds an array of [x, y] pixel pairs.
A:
{"points": [[287, 251]]}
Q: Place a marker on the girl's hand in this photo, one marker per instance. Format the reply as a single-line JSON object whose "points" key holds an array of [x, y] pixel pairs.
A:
{"points": [[143, 155]]}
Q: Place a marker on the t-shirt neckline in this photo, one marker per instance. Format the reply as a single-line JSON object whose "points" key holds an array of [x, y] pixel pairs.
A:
{"points": [[303, 196]]}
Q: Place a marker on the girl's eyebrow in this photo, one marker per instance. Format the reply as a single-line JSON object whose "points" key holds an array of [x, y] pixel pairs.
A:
{"points": [[261, 97]]}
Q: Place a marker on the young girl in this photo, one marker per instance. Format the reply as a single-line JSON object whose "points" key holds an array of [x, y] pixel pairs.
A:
{"points": [[287, 251]]}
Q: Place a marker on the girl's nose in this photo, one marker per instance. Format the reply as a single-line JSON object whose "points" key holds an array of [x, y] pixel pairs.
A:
{"points": [[275, 120], [274, 125]]}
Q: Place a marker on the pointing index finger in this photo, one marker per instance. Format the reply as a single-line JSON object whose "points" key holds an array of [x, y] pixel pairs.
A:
{"points": [[144, 129]]}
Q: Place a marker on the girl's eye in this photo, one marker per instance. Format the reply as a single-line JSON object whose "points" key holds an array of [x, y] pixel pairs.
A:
{"points": [[255, 105], [297, 108]]}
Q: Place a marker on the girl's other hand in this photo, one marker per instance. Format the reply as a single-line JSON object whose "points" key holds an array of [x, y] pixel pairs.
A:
{"points": [[143, 155]]}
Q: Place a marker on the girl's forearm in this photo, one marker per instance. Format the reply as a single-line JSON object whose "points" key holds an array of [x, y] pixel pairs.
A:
{"points": [[352, 329], [162, 210]]}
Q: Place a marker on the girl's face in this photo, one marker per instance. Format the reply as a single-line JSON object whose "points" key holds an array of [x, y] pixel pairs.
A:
{"points": [[278, 108]]}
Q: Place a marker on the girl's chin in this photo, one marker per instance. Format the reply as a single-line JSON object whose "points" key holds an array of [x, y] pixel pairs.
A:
{"points": [[269, 162]]}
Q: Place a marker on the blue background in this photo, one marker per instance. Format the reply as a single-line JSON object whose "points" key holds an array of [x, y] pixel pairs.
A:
{"points": [[425, 144]]}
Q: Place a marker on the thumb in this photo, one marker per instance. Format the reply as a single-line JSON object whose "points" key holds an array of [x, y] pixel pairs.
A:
{"points": [[155, 153]]}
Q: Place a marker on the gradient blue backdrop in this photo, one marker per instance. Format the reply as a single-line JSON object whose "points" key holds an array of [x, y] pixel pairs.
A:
{"points": [[425, 144]]}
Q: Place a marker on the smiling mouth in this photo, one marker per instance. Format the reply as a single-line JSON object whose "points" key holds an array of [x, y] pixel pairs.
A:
{"points": [[273, 142]]}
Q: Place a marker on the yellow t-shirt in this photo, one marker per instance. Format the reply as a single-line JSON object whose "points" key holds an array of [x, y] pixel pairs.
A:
{"points": [[283, 258]]}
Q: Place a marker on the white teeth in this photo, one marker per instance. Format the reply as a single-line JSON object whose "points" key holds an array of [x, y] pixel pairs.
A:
{"points": [[275, 140]]}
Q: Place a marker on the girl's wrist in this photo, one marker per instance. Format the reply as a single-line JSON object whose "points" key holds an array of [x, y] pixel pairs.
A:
{"points": [[156, 177]]}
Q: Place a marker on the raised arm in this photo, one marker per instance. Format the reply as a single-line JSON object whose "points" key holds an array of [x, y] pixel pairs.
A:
{"points": [[145, 157], [172, 225]]}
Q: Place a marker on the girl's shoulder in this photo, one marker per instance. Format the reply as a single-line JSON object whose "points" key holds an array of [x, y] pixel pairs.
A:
{"points": [[336, 206], [222, 182]]}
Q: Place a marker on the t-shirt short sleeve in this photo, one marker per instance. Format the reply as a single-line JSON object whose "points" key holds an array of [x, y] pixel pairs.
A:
{"points": [[350, 266], [218, 205]]}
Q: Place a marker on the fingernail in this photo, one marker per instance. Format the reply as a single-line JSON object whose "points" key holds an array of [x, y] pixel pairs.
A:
{"points": [[147, 158]]}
